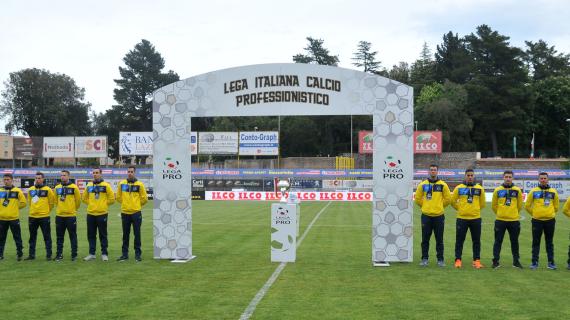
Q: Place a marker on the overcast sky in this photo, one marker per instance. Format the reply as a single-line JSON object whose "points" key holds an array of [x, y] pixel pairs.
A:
{"points": [[87, 40]]}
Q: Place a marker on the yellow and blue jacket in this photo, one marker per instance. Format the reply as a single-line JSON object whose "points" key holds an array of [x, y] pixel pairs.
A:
{"points": [[566, 209], [68, 200], [98, 197], [131, 195], [11, 201], [542, 203], [468, 200], [507, 203], [433, 197], [41, 200]]}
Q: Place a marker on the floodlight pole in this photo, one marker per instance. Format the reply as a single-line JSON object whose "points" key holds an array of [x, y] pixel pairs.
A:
{"points": [[568, 121], [351, 137], [280, 142], [255, 155]]}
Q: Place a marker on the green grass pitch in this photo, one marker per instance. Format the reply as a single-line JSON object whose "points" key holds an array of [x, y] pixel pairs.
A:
{"points": [[332, 279]]}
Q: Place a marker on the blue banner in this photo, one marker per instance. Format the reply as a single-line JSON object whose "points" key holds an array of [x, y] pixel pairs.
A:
{"points": [[301, 174]]}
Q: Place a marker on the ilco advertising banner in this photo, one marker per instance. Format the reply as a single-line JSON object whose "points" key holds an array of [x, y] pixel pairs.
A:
{"points": [[365, 142], [218, 142], [135, 143], [302, 196], [259, 143], [427, 142], [91, 147], [59, 147]]}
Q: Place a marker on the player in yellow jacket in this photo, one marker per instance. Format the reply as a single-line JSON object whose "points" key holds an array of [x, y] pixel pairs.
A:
{"points": [[67, 202], [432, 195], [13, 200], [507, 204], [41, 200], [542, 203], [98, 196], [131, 193], [566, 211], [468, 199]]}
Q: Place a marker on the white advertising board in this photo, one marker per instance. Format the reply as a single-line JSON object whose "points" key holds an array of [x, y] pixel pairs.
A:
{"points": [[259, 143], [217, 142], [348, 184], [59, 147], [91, 147], [562, 186], [492, 184], [135, 143]]}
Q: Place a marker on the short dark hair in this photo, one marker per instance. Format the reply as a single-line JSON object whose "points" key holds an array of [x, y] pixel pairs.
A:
{"points": [[543, 174], [469, 170], [508, 172], [39, 173], [434, 165], [97, 168], [66, 171], [8, 175], [132, 167]]}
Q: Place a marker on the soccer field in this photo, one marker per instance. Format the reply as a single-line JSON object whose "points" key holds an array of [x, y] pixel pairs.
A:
{"points": [[332, 279]]}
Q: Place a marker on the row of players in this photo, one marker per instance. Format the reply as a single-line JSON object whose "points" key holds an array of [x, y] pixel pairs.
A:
{"points": [[98, 195], [468, 198]]}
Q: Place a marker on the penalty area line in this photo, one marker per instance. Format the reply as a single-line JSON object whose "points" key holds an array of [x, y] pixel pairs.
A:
{"points": [[261, 293]]}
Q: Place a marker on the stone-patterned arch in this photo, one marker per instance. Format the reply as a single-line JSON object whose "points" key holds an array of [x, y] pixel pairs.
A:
{"points": [[216, 94]]}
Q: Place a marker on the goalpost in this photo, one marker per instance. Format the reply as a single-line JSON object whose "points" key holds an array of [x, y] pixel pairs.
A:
{"points": [[285, 90]]}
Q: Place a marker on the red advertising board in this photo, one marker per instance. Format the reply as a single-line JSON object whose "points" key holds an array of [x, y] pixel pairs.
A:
{"points": [[365, 142], [427, 142]]}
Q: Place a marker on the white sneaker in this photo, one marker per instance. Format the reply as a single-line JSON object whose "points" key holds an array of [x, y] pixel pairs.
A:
{"points": [[104, 257], [89, 257]]}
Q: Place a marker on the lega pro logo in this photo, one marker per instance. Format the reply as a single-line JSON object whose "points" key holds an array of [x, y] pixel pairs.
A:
{"points": [[283, 216], [171, 170], [392, 168]]}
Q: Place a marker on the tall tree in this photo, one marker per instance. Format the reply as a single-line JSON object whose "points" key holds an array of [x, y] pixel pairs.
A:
{"points": [[400, 72], [40, 103], [498, 95], [452, 60], [140, 77], [548, 119], [316, 53], [422, 71], [365, 58], [442, 107], [543, 61]]}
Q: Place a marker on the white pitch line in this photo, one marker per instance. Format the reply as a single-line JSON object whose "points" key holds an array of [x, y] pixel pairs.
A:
{"points": [[261, 293]]}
